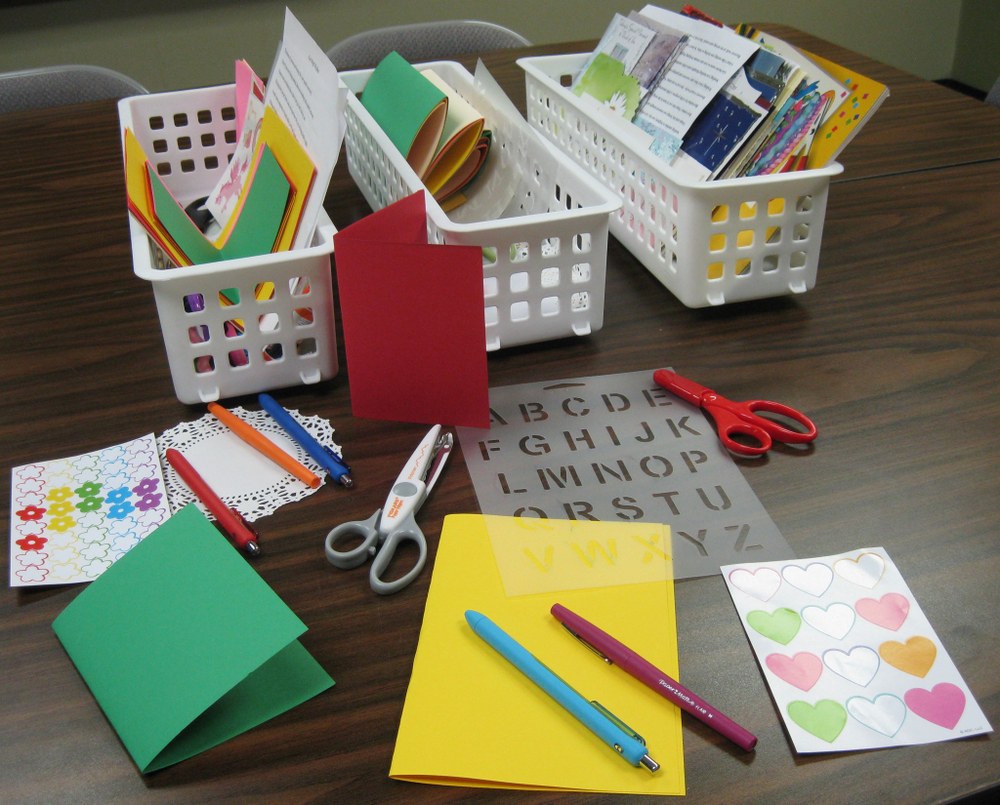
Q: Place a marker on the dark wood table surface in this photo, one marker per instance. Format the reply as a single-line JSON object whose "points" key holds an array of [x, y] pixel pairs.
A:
{"points": [[895, 353]]}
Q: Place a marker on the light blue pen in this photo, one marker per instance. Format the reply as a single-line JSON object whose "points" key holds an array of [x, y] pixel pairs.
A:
{"points": [[324, 456], [592, 715]]}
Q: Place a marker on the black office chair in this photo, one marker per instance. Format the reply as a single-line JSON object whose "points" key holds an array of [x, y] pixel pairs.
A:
{"points": [[993, 96], [421, 42], [42, 87]]}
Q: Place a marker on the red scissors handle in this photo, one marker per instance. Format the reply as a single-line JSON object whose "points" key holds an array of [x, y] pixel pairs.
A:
{"points": [[740, 418]]}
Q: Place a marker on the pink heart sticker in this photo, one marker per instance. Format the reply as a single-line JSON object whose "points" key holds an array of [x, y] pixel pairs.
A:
{"points": [[803, 670], [942, 705], [889, 611]]}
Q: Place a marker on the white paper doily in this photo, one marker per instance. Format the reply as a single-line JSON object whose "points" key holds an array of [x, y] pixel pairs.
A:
{"points": [[243, 477]]}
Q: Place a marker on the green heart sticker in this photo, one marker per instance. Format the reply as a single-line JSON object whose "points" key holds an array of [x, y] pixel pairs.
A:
{"points": [[825, 720], [781, 625]]}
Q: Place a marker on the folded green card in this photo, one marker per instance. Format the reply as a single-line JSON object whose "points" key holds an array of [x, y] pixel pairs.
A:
{"points": [[255, 225], [408, 108], [185, 646]]}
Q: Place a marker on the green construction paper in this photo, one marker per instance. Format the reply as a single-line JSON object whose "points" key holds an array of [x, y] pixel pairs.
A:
{"points": [[184, 645], [408, 108], [255, 230]]}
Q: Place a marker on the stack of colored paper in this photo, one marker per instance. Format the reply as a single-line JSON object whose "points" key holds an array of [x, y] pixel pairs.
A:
{"points": [[759, 107], [444, 139], [268, 196], [267, 213]]}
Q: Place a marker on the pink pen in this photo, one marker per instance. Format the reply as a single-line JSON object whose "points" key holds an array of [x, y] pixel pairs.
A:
{"points": [[615, 653]]}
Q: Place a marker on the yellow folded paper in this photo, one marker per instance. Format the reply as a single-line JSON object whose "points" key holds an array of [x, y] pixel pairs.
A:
{"points": [[463, 128], [471, 719]]}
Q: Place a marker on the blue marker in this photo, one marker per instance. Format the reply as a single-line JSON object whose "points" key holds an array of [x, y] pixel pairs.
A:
{"points": [[324, 456], [600, 721]]}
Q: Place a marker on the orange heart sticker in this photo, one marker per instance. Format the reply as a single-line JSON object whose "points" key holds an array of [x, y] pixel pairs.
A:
{"points": [[914, 657]]}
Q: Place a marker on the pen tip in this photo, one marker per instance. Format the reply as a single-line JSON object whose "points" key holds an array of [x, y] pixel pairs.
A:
{"points": [[346, 480], [649, 763], [252, 548]]}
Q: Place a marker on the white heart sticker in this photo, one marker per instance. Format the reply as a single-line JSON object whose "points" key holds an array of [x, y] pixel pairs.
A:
{"points": [[865, 571], [884, 713], [836, 620], [761, 583], [859, 665], [813, 579]]}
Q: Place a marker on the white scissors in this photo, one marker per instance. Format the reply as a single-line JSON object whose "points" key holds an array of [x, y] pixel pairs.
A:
{"points": [[382, 533]]}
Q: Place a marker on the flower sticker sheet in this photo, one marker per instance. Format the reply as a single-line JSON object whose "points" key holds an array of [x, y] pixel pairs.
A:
{"points": [[71, 518], [850, 658]]}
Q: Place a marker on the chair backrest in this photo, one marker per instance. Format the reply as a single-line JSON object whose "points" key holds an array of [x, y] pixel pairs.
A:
{"points": [[423, 41], [993, 96], [63, 84]]}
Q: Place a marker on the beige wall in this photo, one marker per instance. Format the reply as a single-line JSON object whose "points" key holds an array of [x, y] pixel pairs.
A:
{"points": [[175, 44]]}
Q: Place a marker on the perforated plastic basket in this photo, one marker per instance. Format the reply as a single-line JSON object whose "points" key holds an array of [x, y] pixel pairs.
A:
{"points": [[236, 326], [709, 243], [545, 257]]}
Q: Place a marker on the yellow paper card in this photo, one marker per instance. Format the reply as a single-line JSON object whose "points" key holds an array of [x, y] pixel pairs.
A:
{"points": [[472, 719], [462, 129], [140, 201], [299, 170]]}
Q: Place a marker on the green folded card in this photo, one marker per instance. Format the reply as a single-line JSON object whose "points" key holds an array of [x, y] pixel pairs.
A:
{"points": [[254, 228], [185, 646], [408, 108]]}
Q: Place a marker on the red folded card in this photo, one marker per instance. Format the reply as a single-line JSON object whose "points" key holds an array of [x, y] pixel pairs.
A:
{"points": [[413, 319]]}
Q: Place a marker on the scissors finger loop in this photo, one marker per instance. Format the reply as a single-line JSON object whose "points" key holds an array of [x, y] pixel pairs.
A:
{"points": [[409, 531], [366, 530], [777, 430], [752, 432]]}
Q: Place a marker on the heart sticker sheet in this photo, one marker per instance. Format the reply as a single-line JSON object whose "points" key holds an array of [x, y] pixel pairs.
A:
{"points": [[850, 658]]}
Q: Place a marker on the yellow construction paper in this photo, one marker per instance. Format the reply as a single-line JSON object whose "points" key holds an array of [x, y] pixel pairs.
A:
{"points": [[463, 127], [862, 96], [472, 719], [299, 170], [140, 200]]}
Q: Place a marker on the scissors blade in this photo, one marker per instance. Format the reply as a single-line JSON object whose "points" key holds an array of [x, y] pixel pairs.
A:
{"points": [[442, 449], [415, 468], [684, 388]]}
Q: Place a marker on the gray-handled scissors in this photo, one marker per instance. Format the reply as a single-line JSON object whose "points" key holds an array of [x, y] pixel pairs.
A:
{"points": [[383, 532]]}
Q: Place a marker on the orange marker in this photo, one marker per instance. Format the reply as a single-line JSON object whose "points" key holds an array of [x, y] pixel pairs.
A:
{"points": [[258, 440]]}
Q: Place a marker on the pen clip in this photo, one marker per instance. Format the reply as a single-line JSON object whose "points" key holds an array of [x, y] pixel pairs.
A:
{"points": [[243, 520], [337, 459], [594, 649], [604, 711]]}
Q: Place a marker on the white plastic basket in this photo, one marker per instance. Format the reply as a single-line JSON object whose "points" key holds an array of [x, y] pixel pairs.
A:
{"points": [[709, 243], [236, 326], [545, 257]]}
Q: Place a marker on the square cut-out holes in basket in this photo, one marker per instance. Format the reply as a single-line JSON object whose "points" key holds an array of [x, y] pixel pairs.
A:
{"points": [[176, 135]]}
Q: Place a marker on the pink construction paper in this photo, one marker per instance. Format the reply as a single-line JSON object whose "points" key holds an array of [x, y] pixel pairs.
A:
{"points": [[247, 81], [414, 326]]}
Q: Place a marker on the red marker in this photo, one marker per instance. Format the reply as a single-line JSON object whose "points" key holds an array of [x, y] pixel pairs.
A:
{"points": [[230, 521], [615, 653]]}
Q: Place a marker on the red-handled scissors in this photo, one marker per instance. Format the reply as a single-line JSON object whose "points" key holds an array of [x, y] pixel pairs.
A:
{"points": [[740, 418]]}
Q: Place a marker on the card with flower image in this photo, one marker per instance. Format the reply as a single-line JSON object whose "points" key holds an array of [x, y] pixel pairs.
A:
{"points": [[72, 518]]}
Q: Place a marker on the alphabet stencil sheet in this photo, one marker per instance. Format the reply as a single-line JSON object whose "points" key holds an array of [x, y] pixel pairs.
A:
{"points": [[619, 448]]}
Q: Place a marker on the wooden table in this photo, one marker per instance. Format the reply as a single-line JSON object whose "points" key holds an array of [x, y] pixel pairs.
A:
{"points": [[894, 353]]}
